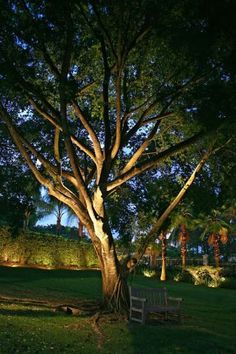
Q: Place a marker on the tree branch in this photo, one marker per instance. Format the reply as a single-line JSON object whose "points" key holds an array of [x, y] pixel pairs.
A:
{"points": [[88, 127], [141, 149], [104, 30], [151, 163], [117, 142], [55, 123], [156, 227], [106, 79]]}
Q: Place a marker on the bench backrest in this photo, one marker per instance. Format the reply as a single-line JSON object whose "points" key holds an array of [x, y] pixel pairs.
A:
{"points": [[153, 296]]}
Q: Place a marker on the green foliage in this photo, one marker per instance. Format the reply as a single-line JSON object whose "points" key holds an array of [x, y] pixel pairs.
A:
{"points": [[45, 250], [201, 275]]}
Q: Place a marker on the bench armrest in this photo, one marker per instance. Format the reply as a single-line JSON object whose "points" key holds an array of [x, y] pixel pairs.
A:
{"points": [[175, 298], [141, 299]]}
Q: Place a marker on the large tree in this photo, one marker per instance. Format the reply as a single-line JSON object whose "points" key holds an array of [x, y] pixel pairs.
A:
{"points": [[95, 93]]}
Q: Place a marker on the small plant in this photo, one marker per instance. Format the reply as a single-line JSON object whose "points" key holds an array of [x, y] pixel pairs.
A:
{"points": [[149, 273]]}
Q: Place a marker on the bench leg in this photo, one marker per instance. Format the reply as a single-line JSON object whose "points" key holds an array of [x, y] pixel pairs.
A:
{"points": [[144, 315]]}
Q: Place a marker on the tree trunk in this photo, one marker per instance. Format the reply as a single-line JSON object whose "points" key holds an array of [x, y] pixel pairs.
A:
{"points": [[114, 281], [58, 226], [26, 220], [153, 259], [216, 248], [114, 275], [162, 237], [183, 242], [80, 229]]}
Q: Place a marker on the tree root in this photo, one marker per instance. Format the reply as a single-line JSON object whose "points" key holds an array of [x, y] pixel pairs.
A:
{"points": [[119, 298], [96, 328]]}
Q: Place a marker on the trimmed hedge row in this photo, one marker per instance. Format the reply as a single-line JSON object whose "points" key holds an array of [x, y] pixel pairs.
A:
{"points": [[45, 250]]}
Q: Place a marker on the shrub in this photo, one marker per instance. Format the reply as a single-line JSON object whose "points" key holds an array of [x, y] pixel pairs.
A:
{"points": [[201, 275], [184, 276], [45, 250], [149, 273]]}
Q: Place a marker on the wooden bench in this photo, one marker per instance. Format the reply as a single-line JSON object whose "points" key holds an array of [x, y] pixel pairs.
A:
{"points": [[152, 300]]}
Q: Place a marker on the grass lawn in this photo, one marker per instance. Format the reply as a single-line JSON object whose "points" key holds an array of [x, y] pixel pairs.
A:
{"points": [[209, 323]]}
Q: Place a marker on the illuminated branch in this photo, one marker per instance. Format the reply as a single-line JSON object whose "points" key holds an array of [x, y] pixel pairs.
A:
{"points": [[72, 155], [139, 123], [151, 163], [106, 79], [51, 170], [17, 140], [116, 145], [85, 88], [56, 145], [140, 150], [157, 117], [88, 127], [49, 118], [155, 228]]}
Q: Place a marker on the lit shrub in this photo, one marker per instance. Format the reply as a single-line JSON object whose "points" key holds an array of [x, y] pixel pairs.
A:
{"points": [[201, 275], [183, 276], [149, 273], [45, 250]]}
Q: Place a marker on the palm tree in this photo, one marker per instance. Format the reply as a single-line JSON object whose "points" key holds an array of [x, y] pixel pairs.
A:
{"points": [[80, 226], [162, 238], [214, 240], [183, 239], [216, 230], [50, 205], [59, 209], [182, 222], [153, 250]]}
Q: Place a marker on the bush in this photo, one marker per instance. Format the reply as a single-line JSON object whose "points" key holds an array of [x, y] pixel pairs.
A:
{"points": [[201, 275], [45, 250], [184, 276]]}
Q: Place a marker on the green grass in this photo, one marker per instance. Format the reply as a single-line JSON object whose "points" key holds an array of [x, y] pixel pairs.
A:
{"points": [[208, 324]]}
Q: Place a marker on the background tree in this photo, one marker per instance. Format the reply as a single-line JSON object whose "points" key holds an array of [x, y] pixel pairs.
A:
{"points": [[215, 230], [163, 240], [96, 93]]}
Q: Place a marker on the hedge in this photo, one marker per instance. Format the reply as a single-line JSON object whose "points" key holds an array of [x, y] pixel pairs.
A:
{"points": [[30, 248]]}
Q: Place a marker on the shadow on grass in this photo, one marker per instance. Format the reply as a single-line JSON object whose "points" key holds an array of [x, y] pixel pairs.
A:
{"points": [[29, 313], [166, 338], [29, 274]]}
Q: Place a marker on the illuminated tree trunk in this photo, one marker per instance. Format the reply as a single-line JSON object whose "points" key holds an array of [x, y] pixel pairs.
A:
{"points": [[114, 276], [162, 238], [214, 241], [183, 244], [216, 248], [114, 283]]}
